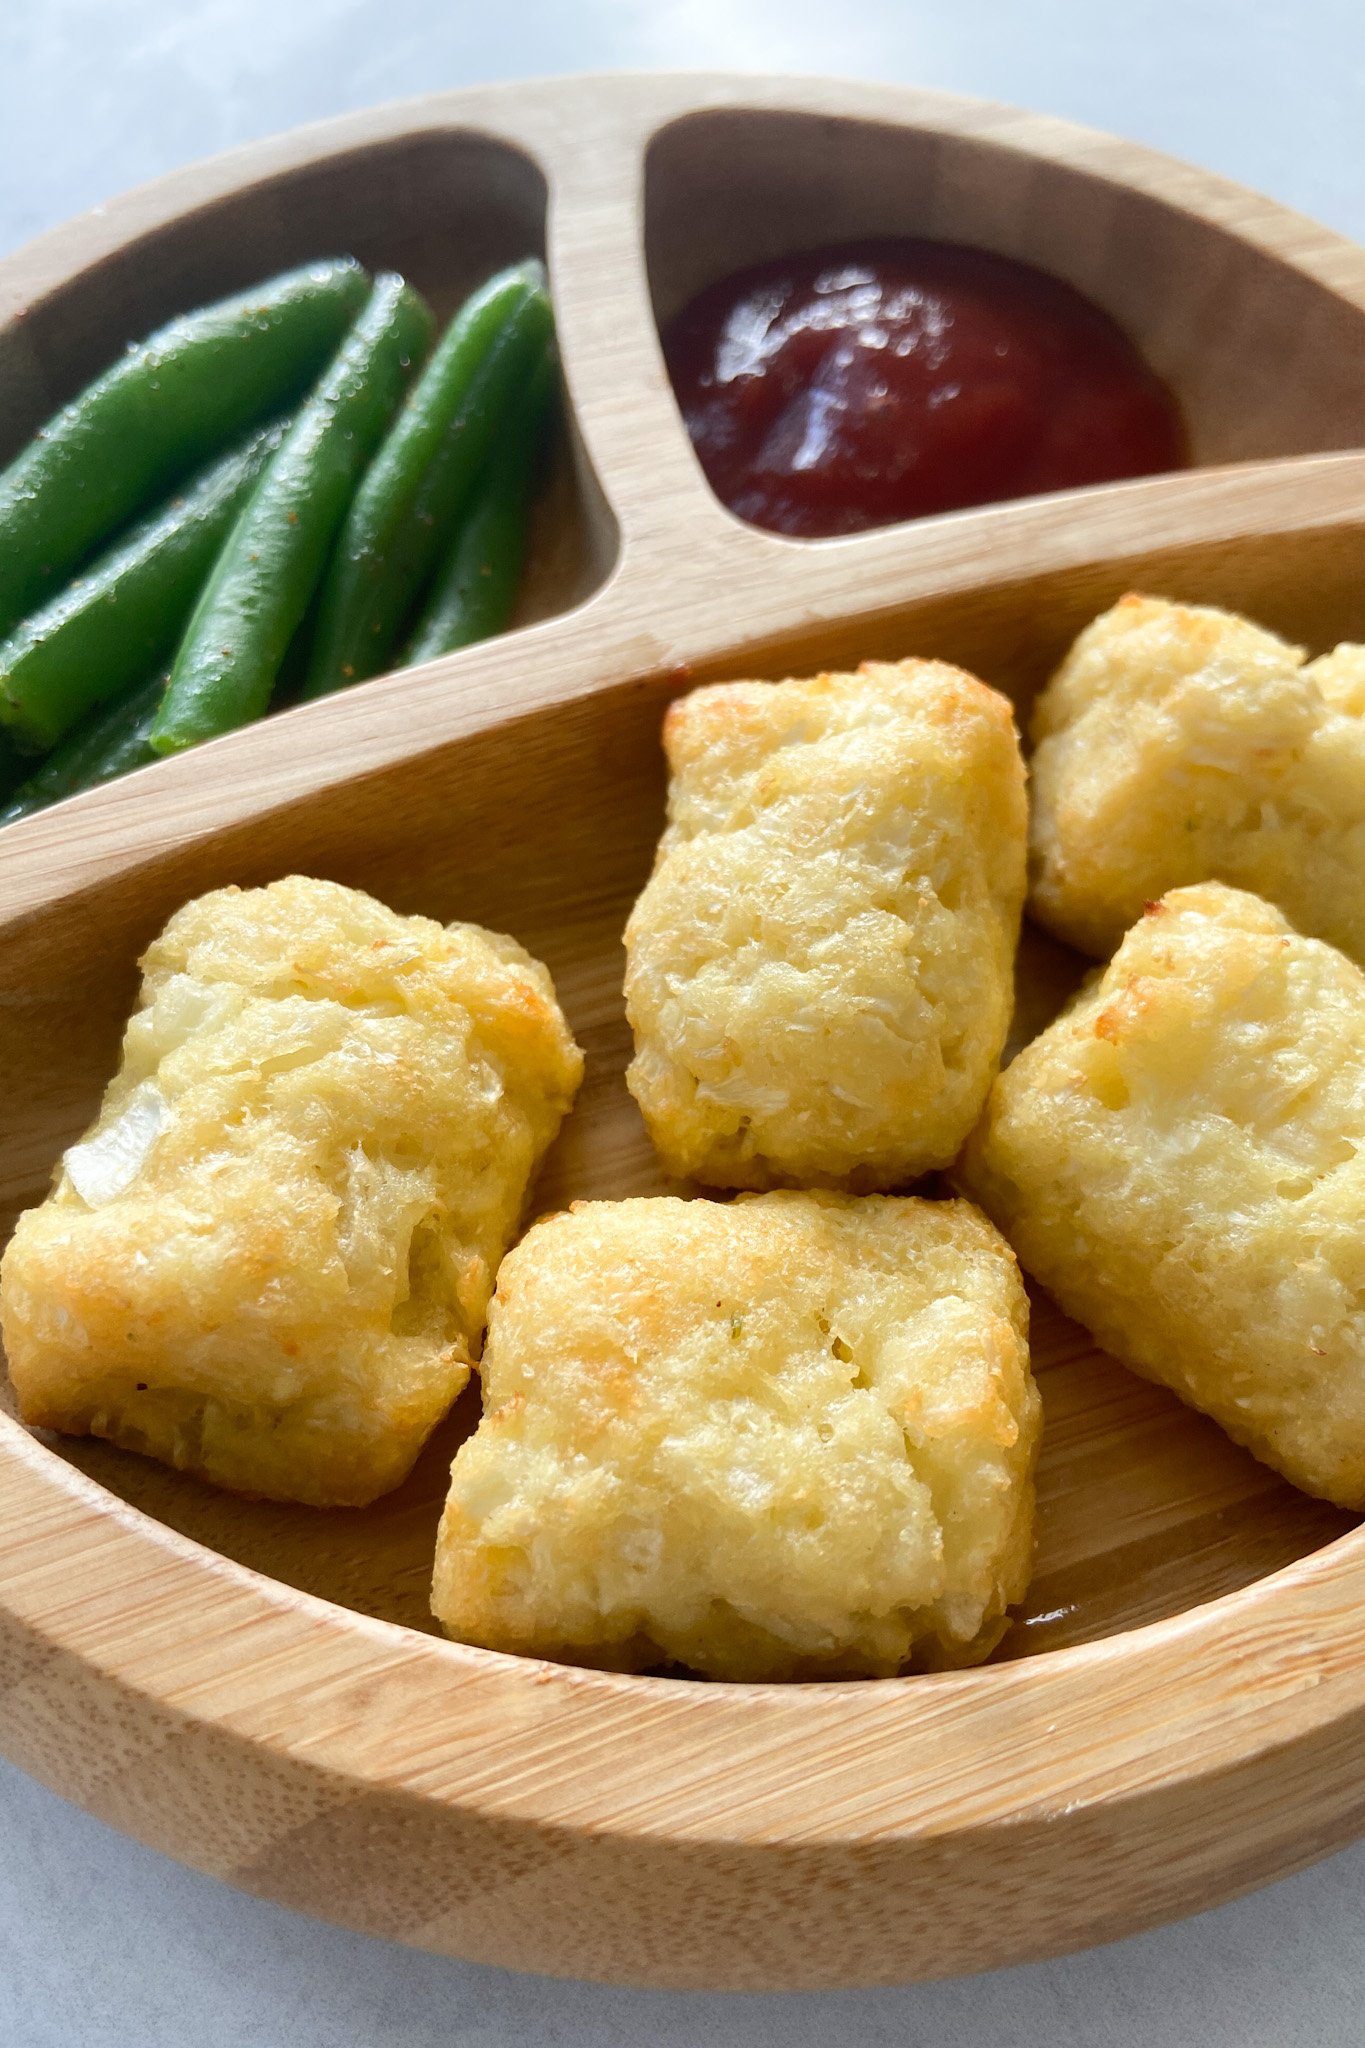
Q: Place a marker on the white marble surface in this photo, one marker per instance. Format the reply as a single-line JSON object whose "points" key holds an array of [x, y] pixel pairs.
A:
{"points": [[104, 1944]]}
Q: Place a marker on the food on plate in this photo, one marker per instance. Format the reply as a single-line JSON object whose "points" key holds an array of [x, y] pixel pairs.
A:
{"points": [[110, 741], [265, 578], [848, 387], [293, 563], [819, 973], [475, 588], [1177, 743], [788, 1437], [118, 623], [419, 485], [157, 413], [269, 1262], [1180, 1158]]}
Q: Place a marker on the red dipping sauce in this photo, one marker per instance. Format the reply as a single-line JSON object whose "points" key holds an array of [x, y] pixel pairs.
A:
{"points": [[855, 386]]}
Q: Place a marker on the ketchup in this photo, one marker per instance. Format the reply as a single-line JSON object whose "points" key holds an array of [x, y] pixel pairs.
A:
{"points": [[855, 386]]}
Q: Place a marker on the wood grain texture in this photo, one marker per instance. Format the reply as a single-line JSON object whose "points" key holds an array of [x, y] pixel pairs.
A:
{"points": [[1179, 1712]]}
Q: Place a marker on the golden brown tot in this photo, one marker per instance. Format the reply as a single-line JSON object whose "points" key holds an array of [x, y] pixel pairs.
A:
{"points": [[1179, 744], [270, 1261], [1180, 1158], [789, 1437], [820, 969]]}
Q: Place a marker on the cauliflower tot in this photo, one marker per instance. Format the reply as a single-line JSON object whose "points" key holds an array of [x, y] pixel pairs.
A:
{"points": [[789, 1437], [1179, 744], [820, 970], [270, 1261], [1180, 1158]]}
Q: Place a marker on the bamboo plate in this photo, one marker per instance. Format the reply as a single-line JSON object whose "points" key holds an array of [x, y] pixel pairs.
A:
{"points": [[1180, 1713]]}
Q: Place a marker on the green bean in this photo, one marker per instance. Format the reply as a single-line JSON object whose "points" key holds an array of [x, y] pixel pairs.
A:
{"points": [[476, 587], [112, 740], [162, 409], [418, 484], [123, 617], [272, 561]]}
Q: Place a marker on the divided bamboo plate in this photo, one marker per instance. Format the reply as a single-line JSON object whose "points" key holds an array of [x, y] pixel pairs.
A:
{"points": [[1180, 1712]]}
